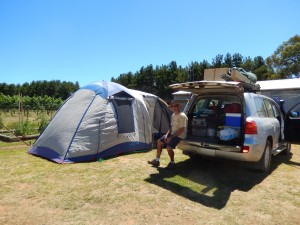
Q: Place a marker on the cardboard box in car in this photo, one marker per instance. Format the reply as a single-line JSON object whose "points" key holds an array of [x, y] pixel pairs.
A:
{"points": [[215, 74]]}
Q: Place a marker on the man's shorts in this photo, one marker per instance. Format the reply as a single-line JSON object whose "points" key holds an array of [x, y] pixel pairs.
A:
{"points": [[173, 142]]}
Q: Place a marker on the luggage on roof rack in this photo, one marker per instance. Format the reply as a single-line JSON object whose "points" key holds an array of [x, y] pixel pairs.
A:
{"points": [[238, 74], [234, 74]]}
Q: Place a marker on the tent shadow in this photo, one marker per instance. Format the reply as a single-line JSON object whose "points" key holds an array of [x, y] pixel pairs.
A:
{"points": [[210, 182]]}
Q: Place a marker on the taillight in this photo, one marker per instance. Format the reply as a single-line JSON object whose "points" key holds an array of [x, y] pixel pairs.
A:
{"points": [[245, 149], [251, 127]]}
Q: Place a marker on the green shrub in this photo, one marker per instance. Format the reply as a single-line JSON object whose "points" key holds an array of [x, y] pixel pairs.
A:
{"points": [[43, 123], [23, 128]]}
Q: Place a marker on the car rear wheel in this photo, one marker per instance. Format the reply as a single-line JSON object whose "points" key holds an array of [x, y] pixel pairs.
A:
{"points": [[264, 163]]}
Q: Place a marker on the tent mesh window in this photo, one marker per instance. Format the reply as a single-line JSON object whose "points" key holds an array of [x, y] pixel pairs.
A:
{"points": [[123, 109]]}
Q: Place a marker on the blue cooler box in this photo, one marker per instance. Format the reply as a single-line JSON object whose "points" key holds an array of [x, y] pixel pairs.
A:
{"points": [[233, 119]]}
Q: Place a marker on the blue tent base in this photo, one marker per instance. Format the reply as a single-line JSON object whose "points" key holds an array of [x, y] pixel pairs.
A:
{"points": [[128, 147]]}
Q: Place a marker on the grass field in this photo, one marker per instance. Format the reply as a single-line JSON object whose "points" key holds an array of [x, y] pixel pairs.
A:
{"points": [[126, 190]]}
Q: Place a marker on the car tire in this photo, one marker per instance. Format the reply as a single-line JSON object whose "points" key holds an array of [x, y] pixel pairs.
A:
{"points": [[287, 150], [264, 163]]}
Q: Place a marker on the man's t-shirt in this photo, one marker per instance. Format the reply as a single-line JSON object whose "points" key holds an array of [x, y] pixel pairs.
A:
{"points": [[178, 121]]}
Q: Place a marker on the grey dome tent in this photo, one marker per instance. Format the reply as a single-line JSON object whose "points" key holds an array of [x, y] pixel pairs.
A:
{"points": [[100, 120]]}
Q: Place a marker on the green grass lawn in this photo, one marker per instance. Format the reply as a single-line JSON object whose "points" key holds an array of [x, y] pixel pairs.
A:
{"points": [[126, 190]]}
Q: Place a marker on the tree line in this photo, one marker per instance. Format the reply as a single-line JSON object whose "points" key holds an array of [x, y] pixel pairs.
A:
{"points": [[37, 95], [156, 80], [284, 62], [53, 89], [26, 103]]}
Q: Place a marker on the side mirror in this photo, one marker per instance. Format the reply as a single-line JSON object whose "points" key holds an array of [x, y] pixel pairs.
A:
{"points": [[294, 114]]}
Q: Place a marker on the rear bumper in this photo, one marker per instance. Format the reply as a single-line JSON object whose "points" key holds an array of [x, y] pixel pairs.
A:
{"points": [[226, 152]]}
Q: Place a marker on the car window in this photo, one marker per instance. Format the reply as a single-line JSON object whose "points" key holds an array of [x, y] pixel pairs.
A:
{"points": [[206, 106], [199, 105], [213, 103], [210, 105], [275, 110], [260, 107], [269, 108]]}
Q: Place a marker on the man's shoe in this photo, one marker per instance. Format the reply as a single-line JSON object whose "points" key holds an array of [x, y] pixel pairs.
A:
{"points": [[154, 163], [170, 166]]}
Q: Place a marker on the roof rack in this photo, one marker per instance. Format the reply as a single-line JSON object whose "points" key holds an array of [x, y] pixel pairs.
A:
{"points": [[242, 86], [234, 77], [250, 87]]}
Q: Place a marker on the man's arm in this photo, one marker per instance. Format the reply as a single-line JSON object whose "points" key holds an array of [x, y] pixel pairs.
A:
{"points": [[178, 132]]}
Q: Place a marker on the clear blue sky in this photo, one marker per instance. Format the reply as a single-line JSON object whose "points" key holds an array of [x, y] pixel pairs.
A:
{"points": [[94, 40]]}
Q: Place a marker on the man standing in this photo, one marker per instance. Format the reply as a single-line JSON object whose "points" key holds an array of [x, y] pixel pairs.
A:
{"points": [[174, 135]]}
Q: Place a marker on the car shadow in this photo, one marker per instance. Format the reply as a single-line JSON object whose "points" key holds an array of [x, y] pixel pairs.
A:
{"points": [[211, 181]]}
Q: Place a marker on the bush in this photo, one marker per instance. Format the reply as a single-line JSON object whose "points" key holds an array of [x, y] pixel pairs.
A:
{"points": [[23, 128], [43, 123]]}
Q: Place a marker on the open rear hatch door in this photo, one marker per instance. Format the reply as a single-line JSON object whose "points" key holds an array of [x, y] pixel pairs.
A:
{"points": [[204, 87], [292, 125]]}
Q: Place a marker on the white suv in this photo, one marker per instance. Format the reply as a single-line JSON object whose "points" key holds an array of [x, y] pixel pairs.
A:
{"points": [[226, 121]]}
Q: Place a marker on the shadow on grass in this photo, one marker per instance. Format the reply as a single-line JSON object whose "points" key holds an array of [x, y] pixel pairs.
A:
{"points": [[210, 182]]}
